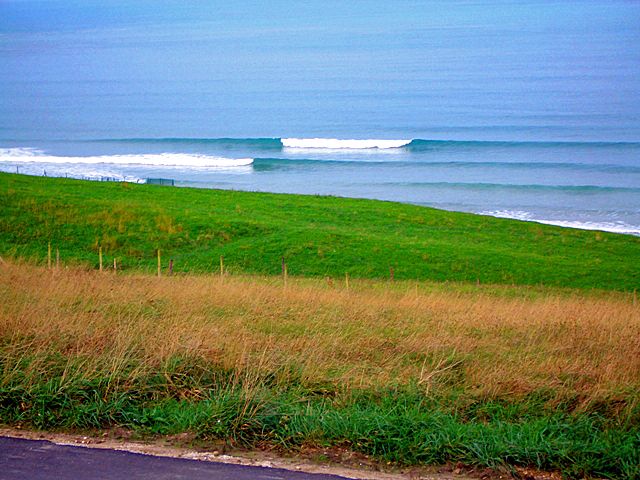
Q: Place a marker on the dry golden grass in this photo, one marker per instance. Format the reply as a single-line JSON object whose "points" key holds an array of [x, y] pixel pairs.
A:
{"points": [[372, 335]]}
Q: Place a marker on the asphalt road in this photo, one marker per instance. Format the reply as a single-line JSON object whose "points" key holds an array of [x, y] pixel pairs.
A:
{"points": [[22, 459]]}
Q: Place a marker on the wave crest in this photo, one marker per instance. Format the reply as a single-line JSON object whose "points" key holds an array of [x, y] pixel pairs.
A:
{"points": [[28, 155], [337, 144]]}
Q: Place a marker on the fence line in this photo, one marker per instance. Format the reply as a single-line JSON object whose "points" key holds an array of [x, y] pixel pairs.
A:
{"points": [[284, 269], [103, 178]]}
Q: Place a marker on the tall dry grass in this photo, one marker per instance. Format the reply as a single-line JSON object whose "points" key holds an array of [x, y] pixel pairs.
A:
{"points": [[481, 341]]}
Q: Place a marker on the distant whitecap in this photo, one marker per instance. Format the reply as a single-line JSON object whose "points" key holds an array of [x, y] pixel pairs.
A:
{"points": [[337, 144]]}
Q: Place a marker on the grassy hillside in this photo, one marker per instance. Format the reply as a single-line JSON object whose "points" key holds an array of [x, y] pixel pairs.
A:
{"points": [[318, 236]]}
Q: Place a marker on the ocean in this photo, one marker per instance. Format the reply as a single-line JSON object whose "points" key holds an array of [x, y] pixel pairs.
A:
{"points": [[527, 109]]}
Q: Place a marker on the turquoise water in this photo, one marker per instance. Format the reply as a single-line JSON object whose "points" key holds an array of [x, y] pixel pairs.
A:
{"points": [[522, 109]]}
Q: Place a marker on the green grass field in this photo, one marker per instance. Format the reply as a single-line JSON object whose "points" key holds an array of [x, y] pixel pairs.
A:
{"points": [[538, 366], [318, 236]]}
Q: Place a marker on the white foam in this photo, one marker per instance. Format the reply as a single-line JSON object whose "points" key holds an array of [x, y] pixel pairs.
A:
{"points": [[19, 152], [28, 155], [615, 227], [337, 144]]}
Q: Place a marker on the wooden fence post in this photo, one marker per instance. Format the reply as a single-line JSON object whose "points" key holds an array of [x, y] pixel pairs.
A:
{"points": [[159, 264], [115, 265], [221, 265], [49, 256], [346, 280], [100, 257], [391, 273], [171, 266], [284, 271]]}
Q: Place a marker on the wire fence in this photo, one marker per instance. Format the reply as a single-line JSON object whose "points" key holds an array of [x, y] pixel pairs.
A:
{"points": [[100, 178]]}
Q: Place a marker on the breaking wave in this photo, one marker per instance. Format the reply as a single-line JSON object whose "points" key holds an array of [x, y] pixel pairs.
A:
{"points": [[416, 144], [29, 155], [337, 144]]}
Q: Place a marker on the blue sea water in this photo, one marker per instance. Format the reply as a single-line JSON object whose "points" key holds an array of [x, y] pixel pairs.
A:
{"points": [[527, 109]]}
